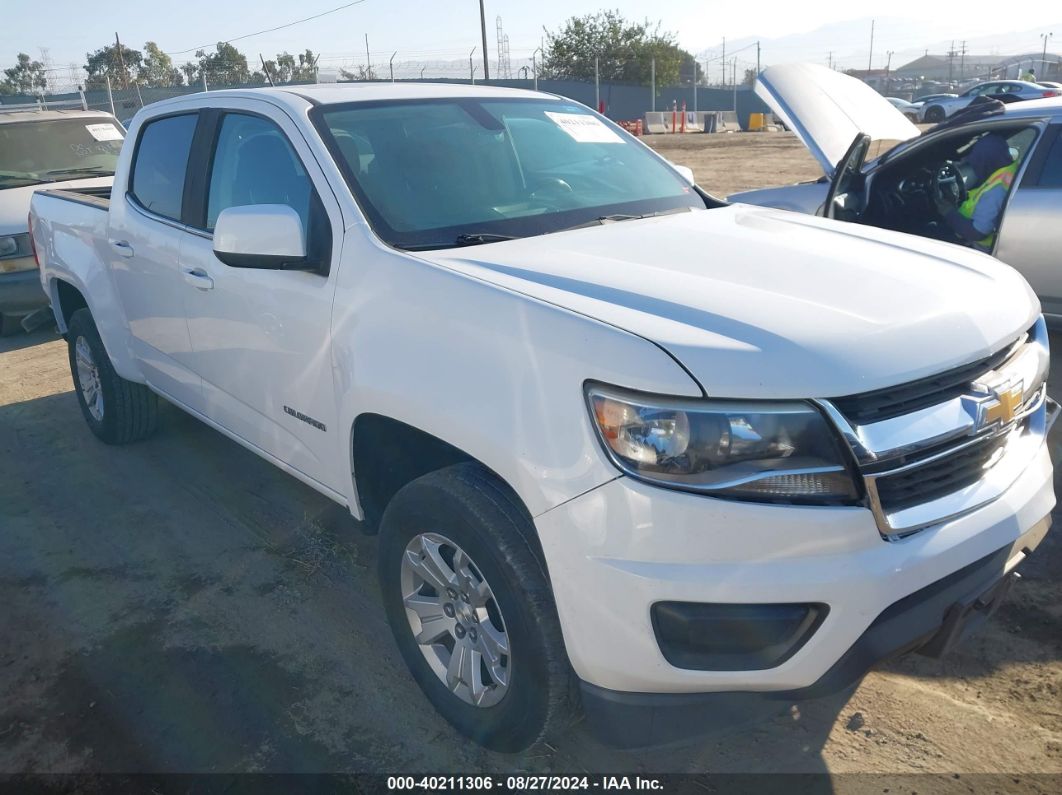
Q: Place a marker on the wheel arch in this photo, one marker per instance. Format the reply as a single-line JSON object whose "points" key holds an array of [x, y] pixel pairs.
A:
{"points": [[387, 453]]}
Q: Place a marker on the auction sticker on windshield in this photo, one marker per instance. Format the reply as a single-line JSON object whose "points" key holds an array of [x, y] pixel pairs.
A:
{"points": [[584, 129], [104, 132]]}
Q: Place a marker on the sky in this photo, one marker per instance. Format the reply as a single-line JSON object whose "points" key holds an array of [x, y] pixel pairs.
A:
{"points": [[426, 32]]}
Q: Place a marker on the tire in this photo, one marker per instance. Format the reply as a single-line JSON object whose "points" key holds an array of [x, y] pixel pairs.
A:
{"points": [[116, 410], [465, 508], [934, 115]]}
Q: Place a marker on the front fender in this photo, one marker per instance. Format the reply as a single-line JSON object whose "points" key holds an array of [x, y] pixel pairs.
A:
{"points": [[496, 374]]}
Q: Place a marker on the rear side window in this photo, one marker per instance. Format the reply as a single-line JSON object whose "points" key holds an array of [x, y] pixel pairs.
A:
{"points": [[1051, 176], [161, 163]]}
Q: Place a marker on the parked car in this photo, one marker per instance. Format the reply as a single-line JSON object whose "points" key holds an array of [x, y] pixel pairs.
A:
{"points": [[60, 148], [618, 438], [931, 97], [937, 110], [910, 110], [893, 191]]}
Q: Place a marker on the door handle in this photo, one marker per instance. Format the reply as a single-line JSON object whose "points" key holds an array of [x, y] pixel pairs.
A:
{"points": [[198, 278], [123, 247]]}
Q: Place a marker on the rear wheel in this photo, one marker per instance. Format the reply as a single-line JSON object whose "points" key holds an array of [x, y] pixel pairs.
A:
{"points": [[118, 411], [471, 607], [935, 115]]}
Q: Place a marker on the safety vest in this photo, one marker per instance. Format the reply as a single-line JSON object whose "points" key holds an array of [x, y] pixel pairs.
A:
{"points": [[1003, 176]]}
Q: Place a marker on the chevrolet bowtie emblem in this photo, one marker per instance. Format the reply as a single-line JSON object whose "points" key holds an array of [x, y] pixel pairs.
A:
{"points": [[1000, 405]]}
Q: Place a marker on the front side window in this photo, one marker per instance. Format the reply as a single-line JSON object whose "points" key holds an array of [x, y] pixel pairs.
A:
{"points": [[255, 164], [161, 162], [36, 152], [428, 173]]}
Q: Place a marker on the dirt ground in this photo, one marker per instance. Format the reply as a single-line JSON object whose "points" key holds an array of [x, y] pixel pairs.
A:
{"points": [[179, 605]]}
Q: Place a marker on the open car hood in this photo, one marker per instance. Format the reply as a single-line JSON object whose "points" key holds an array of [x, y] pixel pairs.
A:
{"points": [[827, 109]]}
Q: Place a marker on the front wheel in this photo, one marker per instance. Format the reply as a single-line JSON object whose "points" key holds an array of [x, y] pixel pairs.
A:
{"points": [[471, 607], [116, 410], [935, 115]]}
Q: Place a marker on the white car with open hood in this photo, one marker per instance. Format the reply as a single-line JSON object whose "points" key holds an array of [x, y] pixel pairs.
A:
{"points": [[629, 450], [839, 117]]}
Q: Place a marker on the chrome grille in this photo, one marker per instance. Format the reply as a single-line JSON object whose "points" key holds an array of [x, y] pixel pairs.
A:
{"points": [[884, 404], [934, 449], [941, 477]]}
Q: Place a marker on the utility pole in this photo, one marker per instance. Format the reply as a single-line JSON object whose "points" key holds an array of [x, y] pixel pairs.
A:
{"points": [[951, 59], [1043, 58], [870, 58], [368, 60], [757, 58], [733, 79], [723, 56], [962, 62], [483, 32], [888, 67], [121, 60]]}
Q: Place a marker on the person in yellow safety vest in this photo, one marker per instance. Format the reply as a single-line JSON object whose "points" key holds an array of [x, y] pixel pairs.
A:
{"points": [[988, 170], [1029, 76]]}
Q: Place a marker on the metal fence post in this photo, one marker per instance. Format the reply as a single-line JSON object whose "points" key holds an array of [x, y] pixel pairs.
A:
{"points": [[110, 95], [652, 83], [203, 75], [597, 85], [84, 102]]}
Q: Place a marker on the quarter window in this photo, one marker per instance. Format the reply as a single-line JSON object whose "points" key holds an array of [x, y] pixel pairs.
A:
{"points": [[161, 163]]}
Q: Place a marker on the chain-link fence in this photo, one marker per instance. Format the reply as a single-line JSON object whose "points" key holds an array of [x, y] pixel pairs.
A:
{"points": [[619, 101]]}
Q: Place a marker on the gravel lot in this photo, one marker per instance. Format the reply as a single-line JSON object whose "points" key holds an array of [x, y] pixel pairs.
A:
{"points": [[181, 606]]}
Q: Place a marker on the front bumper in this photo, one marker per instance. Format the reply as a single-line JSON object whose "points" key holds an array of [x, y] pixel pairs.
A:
{"points": [[614, 552], [21, 292]]}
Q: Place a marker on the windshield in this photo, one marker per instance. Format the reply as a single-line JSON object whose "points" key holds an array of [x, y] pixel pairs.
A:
{"points": [[435, 173], [33, 152]]}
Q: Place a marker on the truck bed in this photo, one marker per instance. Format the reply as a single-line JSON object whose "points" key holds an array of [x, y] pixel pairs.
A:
{"points": [[97, 196]]}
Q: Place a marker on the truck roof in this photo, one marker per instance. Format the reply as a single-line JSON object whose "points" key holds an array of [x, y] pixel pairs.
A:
{"points": [[14, 116], [296, 97]]}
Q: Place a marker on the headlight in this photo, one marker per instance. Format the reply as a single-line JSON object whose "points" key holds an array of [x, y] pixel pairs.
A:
{"points": [[8, 246], [763, 450]]}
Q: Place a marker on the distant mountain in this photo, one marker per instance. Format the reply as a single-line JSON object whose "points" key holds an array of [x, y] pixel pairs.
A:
{"points": [[848, 44]]}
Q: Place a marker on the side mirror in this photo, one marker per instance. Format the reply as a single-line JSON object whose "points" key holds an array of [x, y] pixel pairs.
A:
{"points": [[685, 172], [260, 236]]}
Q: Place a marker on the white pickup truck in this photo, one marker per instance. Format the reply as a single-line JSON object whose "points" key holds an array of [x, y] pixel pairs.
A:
{"points": [[629, 449]]}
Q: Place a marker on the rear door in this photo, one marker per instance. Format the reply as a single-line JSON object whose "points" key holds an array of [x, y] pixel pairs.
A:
{"points": [[260, 337], [1030, 237], [146, 230]]}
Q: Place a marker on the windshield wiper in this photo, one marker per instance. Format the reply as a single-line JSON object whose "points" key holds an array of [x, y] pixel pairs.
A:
{"points": [[468, 239], [616, 217], [95, 170]]}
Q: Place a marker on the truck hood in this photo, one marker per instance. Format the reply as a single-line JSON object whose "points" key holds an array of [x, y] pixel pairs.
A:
{"points": [[15, 202], [760, 303], [827, 109]]}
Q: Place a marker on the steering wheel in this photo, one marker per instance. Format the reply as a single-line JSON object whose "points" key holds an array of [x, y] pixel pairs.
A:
{"points": [[547, 188], [948, 184]]}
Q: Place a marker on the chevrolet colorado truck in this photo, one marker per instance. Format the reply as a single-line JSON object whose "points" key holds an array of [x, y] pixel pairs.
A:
{"points": [[630, 450]]}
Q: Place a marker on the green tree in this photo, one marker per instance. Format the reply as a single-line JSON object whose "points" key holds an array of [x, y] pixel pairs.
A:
{"points": [[288, 68], [225, 66], [157, 69], [25, 77], [106, 62], [625, 51]]}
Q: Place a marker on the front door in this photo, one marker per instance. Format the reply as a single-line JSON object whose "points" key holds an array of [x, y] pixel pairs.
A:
{"points": [[1030, 236], [260, 337]]}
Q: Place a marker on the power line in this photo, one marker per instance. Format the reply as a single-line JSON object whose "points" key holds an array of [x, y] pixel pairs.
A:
{"points": [[268, 30]]}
